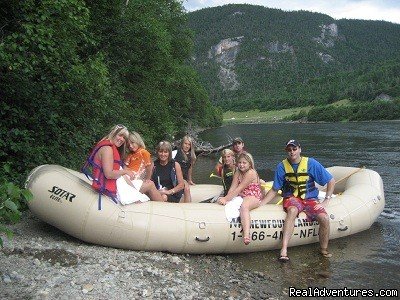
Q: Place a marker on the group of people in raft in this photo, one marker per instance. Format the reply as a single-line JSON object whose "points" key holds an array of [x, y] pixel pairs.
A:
{"points": [[169, 179]]}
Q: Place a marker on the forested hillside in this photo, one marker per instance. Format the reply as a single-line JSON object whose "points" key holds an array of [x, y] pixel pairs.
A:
{"points": [[255, 57], [70, 69]]}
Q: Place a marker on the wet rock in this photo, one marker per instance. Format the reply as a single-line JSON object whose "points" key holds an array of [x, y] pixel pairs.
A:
{"points": [[176, 260], [51, 265], [323, 274], [87, 288], [6, 278]]}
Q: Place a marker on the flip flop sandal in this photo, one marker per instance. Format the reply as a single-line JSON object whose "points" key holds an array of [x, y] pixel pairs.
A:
{"points": [[283, 258], [325, 253]]}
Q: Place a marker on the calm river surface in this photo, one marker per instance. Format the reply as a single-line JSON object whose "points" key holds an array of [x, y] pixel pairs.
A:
{"points": [[370, 259]]}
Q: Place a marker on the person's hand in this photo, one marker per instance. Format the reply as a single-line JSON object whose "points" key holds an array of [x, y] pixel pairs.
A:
{"points": [[163, 191], [130, 174], [320, 206], [136, 175], [191, 182], [222, 200]]}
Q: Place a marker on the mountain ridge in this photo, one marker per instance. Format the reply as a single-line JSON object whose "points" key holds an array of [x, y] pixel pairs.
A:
{"points": [[263, 58]]}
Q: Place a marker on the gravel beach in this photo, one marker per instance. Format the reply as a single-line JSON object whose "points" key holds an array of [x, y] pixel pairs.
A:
{"points": [[41, 262]]}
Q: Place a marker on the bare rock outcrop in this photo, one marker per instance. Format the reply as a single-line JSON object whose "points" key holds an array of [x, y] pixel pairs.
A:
{"points": [[225, 53], [329, 35]]}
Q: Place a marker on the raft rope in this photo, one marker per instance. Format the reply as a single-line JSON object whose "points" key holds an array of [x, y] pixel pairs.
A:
{"points": [[171, 217], [339, 220], [347, 176]]}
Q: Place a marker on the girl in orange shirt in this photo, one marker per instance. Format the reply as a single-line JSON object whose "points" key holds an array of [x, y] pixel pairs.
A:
{"points": [[140, 163], [139, 159]]}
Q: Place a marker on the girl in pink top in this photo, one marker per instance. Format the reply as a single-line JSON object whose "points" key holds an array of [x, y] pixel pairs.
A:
{"points": [[246, 184]]}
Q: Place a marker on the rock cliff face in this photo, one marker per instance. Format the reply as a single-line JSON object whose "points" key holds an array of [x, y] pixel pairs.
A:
{"points": [[278, 47], [329, 36], [326, 58], [225, 53]]}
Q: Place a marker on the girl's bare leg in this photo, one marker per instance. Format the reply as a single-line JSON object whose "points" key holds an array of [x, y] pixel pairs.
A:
{"points": [[187, 197], [150, 190], [248, 204]]}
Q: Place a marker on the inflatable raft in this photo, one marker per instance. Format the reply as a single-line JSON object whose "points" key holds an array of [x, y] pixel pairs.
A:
{"points": [[64, 198]]}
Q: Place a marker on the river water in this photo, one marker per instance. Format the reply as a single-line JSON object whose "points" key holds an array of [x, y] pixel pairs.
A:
{"points": [[369, 259]]}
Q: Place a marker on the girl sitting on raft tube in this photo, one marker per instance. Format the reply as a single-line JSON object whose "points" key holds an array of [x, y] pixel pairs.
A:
{"points": [[245, 184]]}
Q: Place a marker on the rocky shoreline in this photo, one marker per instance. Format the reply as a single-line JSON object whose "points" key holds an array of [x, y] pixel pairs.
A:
{"points": [[41, 262]]}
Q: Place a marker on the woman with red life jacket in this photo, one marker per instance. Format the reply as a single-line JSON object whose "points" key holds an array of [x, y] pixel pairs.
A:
{"points": [[106, 160], [107, 165]]}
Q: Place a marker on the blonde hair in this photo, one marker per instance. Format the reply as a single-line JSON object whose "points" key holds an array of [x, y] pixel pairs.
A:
{"points": [[165, 145], [135, 137], [226, 152], [117, 130], [192, 152], [247, 156]]}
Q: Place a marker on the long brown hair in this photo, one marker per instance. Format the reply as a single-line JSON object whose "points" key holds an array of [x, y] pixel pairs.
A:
{"points": [[192, 152]]}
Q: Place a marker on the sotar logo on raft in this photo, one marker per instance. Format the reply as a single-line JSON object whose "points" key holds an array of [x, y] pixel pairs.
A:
{"points": [[59, 194]]}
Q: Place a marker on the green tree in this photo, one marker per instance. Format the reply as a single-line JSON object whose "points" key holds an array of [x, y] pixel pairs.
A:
{"points": [[52, 92], [69, 69]]}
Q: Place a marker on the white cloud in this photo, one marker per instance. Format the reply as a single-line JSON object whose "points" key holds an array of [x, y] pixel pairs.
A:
{"points": [[368, 11], [388, 10]]}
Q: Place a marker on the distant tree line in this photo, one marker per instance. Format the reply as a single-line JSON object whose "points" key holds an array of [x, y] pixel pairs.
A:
{"points": [[363, 85], [358, 111]]}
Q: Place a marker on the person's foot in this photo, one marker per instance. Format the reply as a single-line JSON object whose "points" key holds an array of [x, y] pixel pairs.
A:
{"points": [[325, 253], [283, 258], [246, 240]]}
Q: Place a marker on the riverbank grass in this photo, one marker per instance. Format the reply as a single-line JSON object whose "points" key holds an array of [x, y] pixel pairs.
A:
{"points": [[271, 116], [257, 116]]}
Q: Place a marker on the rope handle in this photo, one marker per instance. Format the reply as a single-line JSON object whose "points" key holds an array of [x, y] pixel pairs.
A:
{"points": [[347, 176]]}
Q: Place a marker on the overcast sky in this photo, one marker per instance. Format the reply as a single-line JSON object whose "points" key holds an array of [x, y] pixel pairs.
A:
{"points": [[387, 10]]}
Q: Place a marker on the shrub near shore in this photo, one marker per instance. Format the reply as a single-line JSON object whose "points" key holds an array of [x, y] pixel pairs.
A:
{"points": [[12, 201], [364, 111]]}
